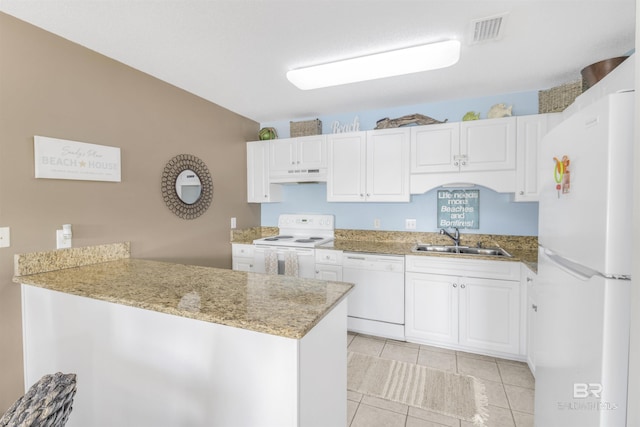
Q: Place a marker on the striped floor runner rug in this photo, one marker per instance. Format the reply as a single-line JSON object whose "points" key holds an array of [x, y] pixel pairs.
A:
{"points": [[455, 395]]}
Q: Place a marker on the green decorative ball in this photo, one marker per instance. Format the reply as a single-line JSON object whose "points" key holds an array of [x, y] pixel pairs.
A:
{"points": [[267, 133]]}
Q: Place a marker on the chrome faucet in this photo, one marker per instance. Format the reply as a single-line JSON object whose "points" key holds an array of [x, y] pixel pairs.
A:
{"points": [[455, 237]]}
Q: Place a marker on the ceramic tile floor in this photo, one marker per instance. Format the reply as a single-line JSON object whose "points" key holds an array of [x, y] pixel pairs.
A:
{"points": [[509, 386]]}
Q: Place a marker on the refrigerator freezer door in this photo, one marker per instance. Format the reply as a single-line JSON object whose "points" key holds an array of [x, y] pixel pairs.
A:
{"points": [[591, 223], [582, 346]]}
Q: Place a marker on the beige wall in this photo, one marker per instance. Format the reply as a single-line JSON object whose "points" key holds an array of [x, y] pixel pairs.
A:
{"points": [[51, 87]]}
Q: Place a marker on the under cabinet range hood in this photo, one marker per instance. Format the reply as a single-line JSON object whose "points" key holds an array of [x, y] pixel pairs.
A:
{"points": [[299, 175]]}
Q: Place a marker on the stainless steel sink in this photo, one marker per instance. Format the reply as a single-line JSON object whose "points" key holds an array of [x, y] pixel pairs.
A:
{"points": [[464, 250]]}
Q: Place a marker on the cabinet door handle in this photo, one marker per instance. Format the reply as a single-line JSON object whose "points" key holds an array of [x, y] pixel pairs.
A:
{"points": [[464, 163], [534, 307], [462, 286], [522, 193], [455, 285], [529, 279], [455, 163]]}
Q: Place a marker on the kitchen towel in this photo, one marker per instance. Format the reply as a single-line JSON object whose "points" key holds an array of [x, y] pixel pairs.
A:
{"points": [[291, 264], [270, 261]]}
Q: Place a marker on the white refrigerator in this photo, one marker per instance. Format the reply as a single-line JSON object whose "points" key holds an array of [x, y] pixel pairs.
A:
{"points": [[584, 267]]}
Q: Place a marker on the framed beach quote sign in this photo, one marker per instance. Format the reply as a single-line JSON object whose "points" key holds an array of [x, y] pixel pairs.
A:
{"points": [[458, 208], [64, 159]]}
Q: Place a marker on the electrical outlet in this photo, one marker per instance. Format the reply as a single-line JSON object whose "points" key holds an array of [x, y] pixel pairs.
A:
{"points": [[376, 223], [410, 224], [5, 237]]}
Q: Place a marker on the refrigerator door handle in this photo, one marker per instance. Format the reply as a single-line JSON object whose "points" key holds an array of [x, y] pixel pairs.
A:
{"points": [[576, 270]]}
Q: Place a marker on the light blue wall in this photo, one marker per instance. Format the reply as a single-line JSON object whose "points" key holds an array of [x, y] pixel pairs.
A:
{"points": [[498, 213]]}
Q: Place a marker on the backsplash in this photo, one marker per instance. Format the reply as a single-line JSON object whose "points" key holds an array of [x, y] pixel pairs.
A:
{"points": [[41, 262]]}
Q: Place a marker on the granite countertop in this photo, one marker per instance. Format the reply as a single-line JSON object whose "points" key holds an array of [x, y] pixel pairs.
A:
{"points": [[277, 305], [526, 256], [522, 248]]}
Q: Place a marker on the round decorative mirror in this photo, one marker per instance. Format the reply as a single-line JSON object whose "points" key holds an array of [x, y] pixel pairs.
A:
{"points": [[187, 188]]}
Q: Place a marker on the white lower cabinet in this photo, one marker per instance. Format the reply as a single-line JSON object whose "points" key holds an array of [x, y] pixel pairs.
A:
{"points": [[329, 265], [242, 257], [489, 314], [471, 305], [431, 309]]}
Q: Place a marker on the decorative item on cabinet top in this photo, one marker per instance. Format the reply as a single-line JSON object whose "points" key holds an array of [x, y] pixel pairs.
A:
{"points": [[267, 133], [415, 119], [498, 111], [305, 128], [593, 73], [471, 115], [558, 98]]}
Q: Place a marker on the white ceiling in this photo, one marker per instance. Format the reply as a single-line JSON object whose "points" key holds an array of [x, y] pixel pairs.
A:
{"points": [[235, 53]]}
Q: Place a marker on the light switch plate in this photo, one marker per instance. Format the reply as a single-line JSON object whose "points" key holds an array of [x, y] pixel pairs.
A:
{"points": [[5, 237], [410, 224], [61, 242]]}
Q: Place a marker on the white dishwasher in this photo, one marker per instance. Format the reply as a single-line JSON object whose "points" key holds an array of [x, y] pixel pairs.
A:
{"points": [[376, 304]]}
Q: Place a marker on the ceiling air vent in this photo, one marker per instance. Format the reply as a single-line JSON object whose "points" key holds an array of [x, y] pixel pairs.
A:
{"points": [[486, 29]]}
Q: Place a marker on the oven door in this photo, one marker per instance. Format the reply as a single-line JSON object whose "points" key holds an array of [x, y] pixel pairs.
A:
{"points": [[303, 257]]}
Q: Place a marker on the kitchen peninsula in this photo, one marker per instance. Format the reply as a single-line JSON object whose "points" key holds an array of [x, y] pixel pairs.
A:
{"points": [[156, 343]]}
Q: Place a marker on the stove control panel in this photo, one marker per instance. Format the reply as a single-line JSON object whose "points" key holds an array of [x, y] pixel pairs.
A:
{"points": [[305, 222]]}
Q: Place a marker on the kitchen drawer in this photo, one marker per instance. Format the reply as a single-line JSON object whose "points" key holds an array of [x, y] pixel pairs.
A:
{"points": [[242, 250], [328, 256], [498, 270]]}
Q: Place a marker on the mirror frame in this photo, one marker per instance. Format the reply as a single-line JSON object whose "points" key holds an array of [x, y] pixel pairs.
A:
{"points": [[175, 167]]}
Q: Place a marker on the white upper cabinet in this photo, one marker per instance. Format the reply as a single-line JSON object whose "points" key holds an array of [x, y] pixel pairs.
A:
{"points": [[531, 129], [259, 188], [478, 145], [388, 165], [293, 158], [346, 174], [487, 145], [433, 148], [371, 166]]}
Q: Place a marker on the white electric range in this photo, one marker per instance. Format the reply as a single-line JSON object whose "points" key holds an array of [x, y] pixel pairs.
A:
{"points": [[298, 236]]}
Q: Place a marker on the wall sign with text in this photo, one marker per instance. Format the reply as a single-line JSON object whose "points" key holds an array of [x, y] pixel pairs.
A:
{"points": [[458, 208], [63, 159]]}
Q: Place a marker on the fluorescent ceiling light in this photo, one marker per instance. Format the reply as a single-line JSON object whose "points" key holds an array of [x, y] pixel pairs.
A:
{"points": [[393, 63]]}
